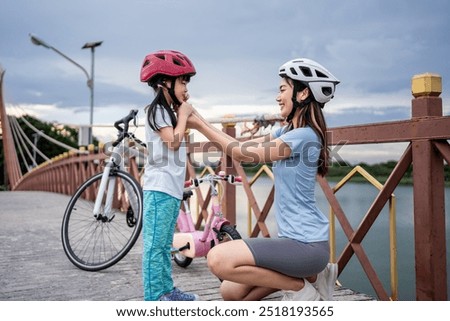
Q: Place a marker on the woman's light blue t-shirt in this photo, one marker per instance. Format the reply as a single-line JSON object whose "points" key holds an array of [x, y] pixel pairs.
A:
{"points": [[295, 178]]}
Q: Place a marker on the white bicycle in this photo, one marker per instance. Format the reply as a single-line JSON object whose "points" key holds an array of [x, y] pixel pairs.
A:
{"points": [[104, 216]]}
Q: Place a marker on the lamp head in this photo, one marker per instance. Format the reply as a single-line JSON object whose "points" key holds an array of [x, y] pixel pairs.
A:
{"points": [[92, 44], [38, 42]]}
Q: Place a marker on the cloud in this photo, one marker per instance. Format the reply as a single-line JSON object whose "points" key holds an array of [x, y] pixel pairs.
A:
{"points": [[369, 101], [236, 46]]}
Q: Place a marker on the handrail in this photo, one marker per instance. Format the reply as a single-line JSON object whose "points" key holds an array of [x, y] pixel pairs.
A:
{"points": [[427, 133]]}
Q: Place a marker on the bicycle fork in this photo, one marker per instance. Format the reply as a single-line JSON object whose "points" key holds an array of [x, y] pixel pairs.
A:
{"points": [[108, 185]]}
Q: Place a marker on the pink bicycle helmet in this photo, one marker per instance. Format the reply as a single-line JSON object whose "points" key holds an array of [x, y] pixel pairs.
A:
{"points": [[166, 62]]}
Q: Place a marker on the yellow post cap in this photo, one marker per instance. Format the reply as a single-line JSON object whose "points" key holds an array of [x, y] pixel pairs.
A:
{"points": [[231, 123], [427, 84]]}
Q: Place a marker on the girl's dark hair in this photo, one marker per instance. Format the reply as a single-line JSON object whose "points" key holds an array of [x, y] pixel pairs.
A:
{"points": [[161, 101], [311, 115]]}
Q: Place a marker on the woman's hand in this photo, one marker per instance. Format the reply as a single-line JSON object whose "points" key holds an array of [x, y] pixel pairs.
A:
{"points": [[194, 122]]}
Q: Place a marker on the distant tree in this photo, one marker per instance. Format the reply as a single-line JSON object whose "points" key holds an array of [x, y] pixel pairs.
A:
{"points": [[61, 133]]}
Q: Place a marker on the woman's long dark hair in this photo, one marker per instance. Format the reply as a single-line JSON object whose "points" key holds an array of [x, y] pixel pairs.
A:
{"points": [[311, 115], [159, 100]]}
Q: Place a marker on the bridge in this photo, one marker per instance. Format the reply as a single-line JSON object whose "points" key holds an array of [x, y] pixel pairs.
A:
{"points": [[428, 151]]}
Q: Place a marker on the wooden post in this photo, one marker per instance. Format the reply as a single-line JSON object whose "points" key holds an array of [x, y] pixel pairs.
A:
{"points": [[429, 198], [229, 206]]}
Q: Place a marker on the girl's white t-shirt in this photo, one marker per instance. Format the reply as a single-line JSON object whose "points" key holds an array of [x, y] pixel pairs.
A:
{"points": [[165, 169]]}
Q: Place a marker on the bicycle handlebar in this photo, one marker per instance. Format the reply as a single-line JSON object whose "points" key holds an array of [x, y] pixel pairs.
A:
{"points": [[194, 183], [126, 122]]}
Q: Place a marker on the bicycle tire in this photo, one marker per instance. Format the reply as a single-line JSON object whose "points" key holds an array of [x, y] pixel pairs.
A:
{"points": [[228, 233], [181, 260], [91, 243]]}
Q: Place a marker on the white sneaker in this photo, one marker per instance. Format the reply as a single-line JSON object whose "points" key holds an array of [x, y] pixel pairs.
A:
{"points": [[325, 281], [307, 293]]}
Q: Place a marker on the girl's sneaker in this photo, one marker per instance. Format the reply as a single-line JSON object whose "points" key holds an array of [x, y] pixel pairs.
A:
{"points": [[178, 295], [307, 293], [326, 280]]}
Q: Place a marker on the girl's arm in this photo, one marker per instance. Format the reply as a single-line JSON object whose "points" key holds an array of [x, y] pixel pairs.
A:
{"points": [[173, 137], [260, 150]]}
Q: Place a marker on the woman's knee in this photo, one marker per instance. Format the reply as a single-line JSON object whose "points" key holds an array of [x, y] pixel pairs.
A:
{"points": [[224, 258], [214, 259]]}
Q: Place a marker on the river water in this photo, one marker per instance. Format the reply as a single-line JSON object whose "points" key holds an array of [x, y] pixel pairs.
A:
{"points": [[355, 200]]}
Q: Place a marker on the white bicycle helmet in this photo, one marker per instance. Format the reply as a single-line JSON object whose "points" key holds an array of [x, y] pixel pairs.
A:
{"points": [[321, 82]]}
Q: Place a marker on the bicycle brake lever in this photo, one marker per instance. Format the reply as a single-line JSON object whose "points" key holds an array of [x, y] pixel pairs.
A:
{"points": [[135, 118], [195, 182]]}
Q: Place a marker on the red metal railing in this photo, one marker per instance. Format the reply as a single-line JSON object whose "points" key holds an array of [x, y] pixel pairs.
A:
{"points": [[427, 133]]}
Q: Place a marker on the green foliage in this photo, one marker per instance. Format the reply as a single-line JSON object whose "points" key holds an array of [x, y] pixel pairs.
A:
{"points": [[61, 133], [380, 171]]}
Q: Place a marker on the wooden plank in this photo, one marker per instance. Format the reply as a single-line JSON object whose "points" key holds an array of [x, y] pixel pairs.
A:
{"points": [[34, 266]]}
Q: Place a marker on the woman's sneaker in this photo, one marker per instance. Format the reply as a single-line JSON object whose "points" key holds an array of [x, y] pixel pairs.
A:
{"points": [[307, 293], [178, 295], [326, 280]]}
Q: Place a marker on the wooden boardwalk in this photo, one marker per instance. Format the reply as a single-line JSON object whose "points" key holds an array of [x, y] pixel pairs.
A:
{"points": [[33, 266]]}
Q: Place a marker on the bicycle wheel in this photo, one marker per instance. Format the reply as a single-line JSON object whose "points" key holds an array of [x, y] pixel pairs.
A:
{"points": [[181, 260], [228, 233], [96, 243]]}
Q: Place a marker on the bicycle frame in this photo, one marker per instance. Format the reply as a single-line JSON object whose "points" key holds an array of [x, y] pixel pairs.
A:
{"points": [[103, 219], [193, 243], [116, 162]]}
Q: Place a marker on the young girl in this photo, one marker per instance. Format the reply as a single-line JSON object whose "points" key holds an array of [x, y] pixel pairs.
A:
{"points": [[168, 73], [295, 261]]}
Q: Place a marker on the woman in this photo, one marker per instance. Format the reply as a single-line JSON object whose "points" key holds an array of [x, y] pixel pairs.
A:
{"points": [[296, 261]]}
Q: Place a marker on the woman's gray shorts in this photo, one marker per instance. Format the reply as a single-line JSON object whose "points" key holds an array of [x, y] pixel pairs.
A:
{"points": [[290, 257]]}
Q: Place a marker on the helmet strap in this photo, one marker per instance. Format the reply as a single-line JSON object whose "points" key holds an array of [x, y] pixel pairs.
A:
{"points": [[171, 90]]}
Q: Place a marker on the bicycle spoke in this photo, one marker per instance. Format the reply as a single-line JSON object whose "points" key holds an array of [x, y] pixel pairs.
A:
{"points": [[94, 243]]}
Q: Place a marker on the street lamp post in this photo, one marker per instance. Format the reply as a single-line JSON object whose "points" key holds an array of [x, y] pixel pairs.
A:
{"points": [[92, 46], [90, 79]]}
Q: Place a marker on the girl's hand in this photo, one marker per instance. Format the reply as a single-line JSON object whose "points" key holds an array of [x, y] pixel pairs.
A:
{"points": [[194, 122]]}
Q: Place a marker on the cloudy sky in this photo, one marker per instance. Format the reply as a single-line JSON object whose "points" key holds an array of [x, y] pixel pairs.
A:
{"points": [[373, 47]]}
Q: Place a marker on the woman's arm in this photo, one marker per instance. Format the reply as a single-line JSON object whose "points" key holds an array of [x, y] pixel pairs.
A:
{"points": [[173, 137], [260, 150]]}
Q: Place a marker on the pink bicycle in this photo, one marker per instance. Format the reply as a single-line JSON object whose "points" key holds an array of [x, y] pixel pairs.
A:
{"points": [[189, 243]]}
